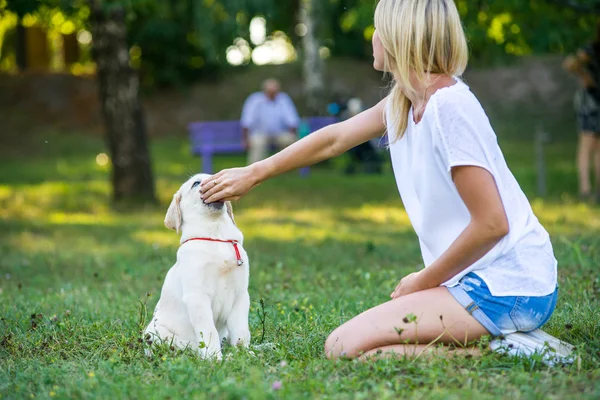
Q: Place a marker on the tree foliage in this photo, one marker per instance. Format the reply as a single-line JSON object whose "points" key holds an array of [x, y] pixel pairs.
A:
{"points": [[177, 41]]}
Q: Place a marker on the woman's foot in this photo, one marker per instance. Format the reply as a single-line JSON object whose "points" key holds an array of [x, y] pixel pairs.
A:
{"points": [[526, 344]]}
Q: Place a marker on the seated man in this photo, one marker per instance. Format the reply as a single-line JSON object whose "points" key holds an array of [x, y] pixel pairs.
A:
{"points": [[268, 117]]}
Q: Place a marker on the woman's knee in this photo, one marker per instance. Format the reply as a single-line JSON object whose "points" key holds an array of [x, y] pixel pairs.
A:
{"points": [[330, 345], [335, 345], [343, 342]]}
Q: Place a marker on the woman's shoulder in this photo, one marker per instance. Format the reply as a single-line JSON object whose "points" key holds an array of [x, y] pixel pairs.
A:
{"points": [[456, 98]]}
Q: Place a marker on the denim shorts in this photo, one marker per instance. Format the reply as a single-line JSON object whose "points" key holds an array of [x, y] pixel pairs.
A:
{"points": [[588, 112], [502, 315]]}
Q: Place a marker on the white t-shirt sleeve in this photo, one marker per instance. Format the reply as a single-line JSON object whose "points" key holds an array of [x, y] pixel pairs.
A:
{"points": [[462, 135]]}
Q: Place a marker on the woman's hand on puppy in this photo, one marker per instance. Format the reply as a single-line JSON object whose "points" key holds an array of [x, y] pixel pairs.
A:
{"points": [[228, 184]]}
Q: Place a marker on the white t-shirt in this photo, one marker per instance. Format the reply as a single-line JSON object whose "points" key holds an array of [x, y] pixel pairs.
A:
{"points": [[455, 131]]}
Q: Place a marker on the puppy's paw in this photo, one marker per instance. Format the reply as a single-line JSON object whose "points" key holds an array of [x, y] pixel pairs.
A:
{"points": [[206, 354], [242, 344]]}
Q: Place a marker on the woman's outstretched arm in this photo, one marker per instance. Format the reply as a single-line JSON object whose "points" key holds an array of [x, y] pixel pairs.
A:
{"points": [[328, 142]]}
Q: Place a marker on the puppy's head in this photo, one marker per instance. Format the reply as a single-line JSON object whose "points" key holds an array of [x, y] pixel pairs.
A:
{"points": [[187, 205]]}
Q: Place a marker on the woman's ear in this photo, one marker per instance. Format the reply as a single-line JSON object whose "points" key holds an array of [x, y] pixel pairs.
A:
{"points": [[173, 219], [229, 211]]}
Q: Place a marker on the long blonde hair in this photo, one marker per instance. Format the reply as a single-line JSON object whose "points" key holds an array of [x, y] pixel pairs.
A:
{"points": [[422, 36]]}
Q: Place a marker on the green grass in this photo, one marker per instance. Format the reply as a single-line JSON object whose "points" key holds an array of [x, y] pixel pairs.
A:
{"points": [[78, 281]]}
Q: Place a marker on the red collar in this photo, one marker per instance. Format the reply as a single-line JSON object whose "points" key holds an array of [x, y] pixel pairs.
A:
{"points": [[233, 242]]}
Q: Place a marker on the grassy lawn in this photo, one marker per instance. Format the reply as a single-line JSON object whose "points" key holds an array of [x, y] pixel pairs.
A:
{"points": [[78, 281]]}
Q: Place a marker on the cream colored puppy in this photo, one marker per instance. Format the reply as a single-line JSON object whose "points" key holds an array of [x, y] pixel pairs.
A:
{"points": [[204, 297]]}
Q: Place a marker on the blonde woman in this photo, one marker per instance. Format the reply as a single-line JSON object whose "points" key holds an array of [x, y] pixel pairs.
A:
{"points": [[490, 267]]}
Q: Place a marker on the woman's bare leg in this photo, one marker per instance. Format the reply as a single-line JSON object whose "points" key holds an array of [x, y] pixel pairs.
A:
{"points": [[587, 145], [597, 167], [439, 318]]}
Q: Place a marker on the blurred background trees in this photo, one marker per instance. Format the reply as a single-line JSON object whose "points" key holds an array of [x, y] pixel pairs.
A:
{"points": [[174, 42]]}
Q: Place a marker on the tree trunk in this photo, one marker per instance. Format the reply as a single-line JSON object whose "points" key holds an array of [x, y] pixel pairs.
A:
{"points": [[118, 84], [312, 65], [21, 47]]}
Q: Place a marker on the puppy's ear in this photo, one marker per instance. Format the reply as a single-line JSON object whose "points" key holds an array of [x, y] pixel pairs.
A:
{"points": [[229, 211], [173, 219]]}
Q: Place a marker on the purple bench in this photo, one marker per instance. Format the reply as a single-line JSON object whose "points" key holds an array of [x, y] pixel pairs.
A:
{"points": [[225, 137]]}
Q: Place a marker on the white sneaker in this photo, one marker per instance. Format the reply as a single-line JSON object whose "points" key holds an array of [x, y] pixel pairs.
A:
{"points": [[553, 350]]}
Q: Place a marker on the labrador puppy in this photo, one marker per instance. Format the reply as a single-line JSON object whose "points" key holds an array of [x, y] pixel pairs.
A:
{"points": [[204, 297]]}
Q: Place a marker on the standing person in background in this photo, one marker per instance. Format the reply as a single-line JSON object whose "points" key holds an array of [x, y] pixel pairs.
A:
{"points": [[268, 117], [585, 64]]}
